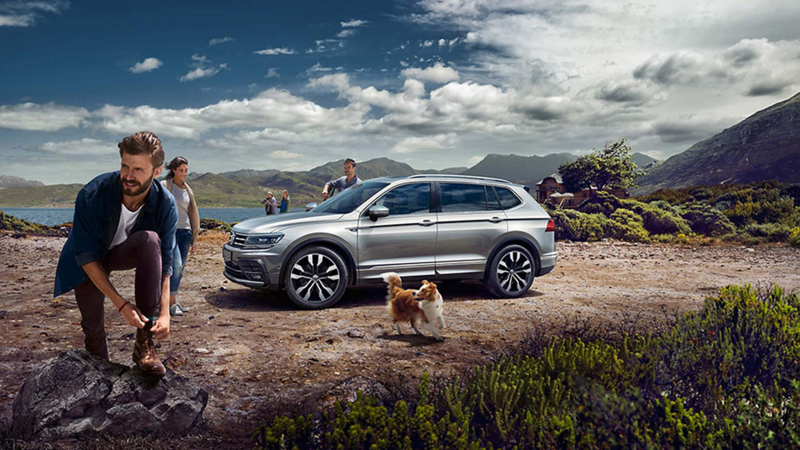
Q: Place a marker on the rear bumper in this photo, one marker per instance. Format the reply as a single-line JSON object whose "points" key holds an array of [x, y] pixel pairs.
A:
{"points": [[547, 263]]}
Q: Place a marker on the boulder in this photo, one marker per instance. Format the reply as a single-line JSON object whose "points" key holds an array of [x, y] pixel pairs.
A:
{"points": [[76, 393]]}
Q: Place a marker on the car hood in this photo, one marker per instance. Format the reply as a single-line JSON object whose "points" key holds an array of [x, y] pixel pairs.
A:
{"points": [[279, 222]]}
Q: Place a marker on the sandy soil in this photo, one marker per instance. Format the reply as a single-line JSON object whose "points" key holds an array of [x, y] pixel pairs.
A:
{"points": [[255, 352]]}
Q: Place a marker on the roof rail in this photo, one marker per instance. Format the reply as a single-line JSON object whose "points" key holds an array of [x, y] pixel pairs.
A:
{"points": [[466, 177]]}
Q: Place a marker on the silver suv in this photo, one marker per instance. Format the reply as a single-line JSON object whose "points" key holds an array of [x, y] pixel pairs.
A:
{"points": [[431, 227]]}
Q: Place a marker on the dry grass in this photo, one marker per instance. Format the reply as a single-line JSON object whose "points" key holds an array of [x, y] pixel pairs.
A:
{"points": [[213, 237]]}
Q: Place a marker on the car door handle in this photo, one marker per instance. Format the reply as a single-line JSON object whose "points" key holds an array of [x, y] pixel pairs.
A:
{"points": [[495, 220], [426, 223]]}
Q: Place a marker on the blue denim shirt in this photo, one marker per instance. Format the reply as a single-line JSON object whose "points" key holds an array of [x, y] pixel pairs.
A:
{"points": [[97, 211]]}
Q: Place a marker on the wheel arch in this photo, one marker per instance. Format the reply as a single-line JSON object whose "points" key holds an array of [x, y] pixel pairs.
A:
{"points": [[512, 240], [327, 243]]}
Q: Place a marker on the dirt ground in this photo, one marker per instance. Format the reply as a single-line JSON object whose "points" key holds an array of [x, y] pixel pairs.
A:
{"points": [[254, 351]]}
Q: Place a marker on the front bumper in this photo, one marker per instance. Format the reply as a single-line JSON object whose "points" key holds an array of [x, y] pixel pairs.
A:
{"points": [[547, 263], [248, 268]]}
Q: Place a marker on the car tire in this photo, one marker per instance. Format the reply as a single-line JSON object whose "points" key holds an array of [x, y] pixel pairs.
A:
{"points": [[316, 278], [510, 273]]}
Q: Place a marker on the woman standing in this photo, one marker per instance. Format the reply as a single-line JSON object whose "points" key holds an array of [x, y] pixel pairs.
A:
{"points": [[188, 226], [284, 201]]}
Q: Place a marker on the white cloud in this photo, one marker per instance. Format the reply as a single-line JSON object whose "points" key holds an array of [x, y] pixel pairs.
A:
{"points": [[354, 23], [148, 65], [25, 13], [475, 160], [217, 41], [426, 144], [283, 154], [203, 68], [272, 73], [47, 117], [85, 146], [276, 51], [346, 34], [426, 44], [437, 73]]}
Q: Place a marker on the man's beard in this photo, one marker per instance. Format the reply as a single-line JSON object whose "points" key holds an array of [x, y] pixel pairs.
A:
{"points": [[137, 191]]}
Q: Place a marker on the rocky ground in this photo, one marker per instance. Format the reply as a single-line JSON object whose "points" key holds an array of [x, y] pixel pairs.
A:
{"points": [[256, 353]]}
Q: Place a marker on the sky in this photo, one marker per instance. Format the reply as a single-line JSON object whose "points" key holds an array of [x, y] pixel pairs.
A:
{"points": [[432, 83]]}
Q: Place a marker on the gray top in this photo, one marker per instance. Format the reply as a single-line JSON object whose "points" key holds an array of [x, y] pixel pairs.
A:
{"points": [[341, 183]]}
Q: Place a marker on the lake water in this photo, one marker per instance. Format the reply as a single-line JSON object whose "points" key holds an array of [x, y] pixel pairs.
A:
{"points": [[56, 216]]}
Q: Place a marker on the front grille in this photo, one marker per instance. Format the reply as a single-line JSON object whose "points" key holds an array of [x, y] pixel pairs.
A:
{"points": [[238, 240]]}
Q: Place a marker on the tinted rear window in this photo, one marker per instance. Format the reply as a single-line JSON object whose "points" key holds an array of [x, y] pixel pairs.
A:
{"points": [[507, 198], [462, 197]]}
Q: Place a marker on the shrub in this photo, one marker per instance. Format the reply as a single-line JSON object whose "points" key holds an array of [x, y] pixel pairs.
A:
{"points": [[601, 203], [577, 226], [737, 341], [769, 232], [214, 224], [624, 224], [706, 220], [794, 237], [658, 221]]}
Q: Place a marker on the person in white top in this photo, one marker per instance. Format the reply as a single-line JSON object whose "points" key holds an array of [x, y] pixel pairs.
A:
{"points": [[188, 227]]}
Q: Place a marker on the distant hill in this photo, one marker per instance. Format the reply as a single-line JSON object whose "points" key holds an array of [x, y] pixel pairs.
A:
{"points": [[8, 181], [530, 170], [520, 169], [764, 146], [247, 188], [43, 196]]}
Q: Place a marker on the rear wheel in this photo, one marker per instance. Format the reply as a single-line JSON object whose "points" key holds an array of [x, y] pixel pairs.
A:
{"points": [[511, 272], [316, 278]]}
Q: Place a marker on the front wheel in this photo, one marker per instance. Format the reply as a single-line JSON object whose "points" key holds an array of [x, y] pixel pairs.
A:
{"points": [[511, 272], [316, 278]]}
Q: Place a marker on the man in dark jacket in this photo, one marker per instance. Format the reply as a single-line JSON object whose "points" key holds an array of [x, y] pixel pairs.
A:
{"points": [[123, 220]]}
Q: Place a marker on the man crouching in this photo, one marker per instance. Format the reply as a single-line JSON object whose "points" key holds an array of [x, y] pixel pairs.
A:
{"points": [[123, 220]]}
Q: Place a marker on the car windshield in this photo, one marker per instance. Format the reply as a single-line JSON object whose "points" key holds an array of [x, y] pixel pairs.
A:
{"points": [[350, 199]]}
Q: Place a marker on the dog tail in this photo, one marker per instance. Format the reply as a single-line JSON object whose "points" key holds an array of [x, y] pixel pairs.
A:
{"points": [[394, 283]]}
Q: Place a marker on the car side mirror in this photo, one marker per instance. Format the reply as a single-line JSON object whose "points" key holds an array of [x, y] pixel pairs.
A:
{"points": [[311, 206], [378, 211]]}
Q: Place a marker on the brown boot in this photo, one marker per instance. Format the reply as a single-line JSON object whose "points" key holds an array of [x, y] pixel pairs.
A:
{"points": [[144, 353]]}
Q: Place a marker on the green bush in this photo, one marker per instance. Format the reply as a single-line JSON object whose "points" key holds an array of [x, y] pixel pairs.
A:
{"points": [[723, 377], [625, 225], [577, 226], [769, 232], [658, 221], [11, 223], [794, 237], [738, 340], [601, 203], [705, 220]]}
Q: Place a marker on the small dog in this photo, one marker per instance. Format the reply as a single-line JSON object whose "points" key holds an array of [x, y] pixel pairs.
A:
{"points": [[407, 304]]}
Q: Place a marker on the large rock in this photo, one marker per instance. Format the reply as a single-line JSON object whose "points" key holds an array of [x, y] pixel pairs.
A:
{"points": [[75, 393]]}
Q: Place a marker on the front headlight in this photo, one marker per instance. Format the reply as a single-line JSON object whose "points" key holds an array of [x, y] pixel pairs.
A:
{"points": [[262, 241]]}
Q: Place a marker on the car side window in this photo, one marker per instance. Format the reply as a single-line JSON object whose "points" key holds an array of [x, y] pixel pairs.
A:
{"points": [[462, 197], [492, 203], [408, 199], [507, 198]]}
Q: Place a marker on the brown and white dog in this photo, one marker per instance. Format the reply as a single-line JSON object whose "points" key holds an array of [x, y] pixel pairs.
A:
{"points": [[424, 304]]}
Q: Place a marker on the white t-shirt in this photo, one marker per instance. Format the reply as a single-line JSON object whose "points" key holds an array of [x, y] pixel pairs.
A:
{"points": [[182, 202], [126, 220]]}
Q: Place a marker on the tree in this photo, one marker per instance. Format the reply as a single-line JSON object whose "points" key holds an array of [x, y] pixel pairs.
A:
{"points": [[611, 167]]}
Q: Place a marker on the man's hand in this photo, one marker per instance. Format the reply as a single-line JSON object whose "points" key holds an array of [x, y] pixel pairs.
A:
{"points": [[161, 327], [325, 195], [133, 316]]}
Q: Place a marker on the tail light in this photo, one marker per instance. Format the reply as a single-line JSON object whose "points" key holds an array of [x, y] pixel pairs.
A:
{"points": [[551, 226]]}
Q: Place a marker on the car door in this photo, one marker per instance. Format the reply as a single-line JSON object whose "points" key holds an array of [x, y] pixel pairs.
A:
{"points": [[470, 221], [403, 242]]}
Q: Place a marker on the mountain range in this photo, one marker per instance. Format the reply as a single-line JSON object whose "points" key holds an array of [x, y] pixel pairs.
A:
{"points": [[764, 146], [8, 181], [247, 187]]}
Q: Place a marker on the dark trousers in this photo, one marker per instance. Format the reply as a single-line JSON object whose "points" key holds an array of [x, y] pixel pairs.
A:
{"points": [[142, 251]]}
